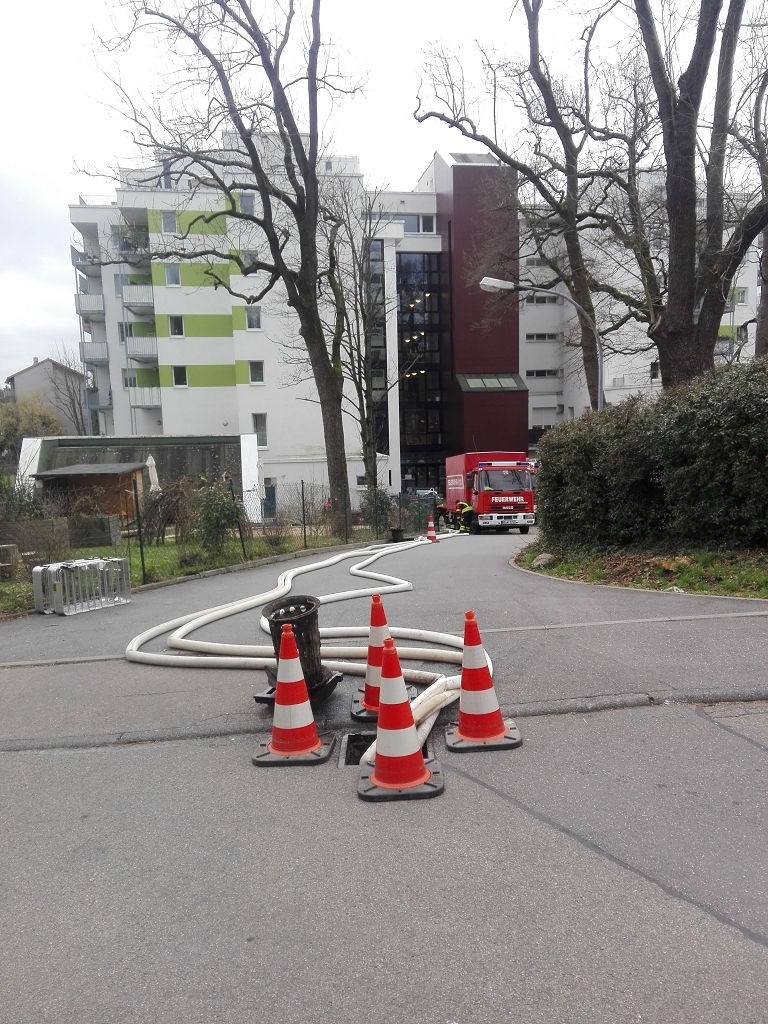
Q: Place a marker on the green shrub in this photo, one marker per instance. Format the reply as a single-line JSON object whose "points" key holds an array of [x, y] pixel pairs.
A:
{"points": [[691, 467], [217, 513]]}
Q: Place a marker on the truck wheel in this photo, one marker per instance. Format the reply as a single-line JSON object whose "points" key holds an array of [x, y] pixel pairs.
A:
{"points": [[474, 526], [524, 529]]}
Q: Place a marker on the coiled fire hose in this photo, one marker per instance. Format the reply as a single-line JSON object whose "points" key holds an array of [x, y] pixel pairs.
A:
{"points": [[208, 654]]}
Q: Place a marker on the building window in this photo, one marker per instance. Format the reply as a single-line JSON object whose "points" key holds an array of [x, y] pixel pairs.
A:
{"points": [[428, 224], [168, 222], [410, 223], [542, 373], [129, 378], [534, 261], [360, 481], [542, 337], [179, 376], [172, 275], [741, 296], [176, 326], [328, 166], [260, 428], [541, 300], [246, 203], [249, 258], [256, 372], [253, 318], [655, 370], [124, 330]]}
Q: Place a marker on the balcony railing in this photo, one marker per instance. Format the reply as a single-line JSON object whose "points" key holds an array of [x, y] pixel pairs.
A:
{"points": [[99, 399], [89, 305], [144, 398], [138, 297], [97, 200], [94, 352], [142, 350]]}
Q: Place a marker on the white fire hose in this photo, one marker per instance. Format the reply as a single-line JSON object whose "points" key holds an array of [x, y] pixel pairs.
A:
{"points": [[208, 654]]}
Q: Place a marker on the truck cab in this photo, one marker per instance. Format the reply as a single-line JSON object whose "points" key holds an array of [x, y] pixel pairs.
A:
{"points": [[498, 486]]}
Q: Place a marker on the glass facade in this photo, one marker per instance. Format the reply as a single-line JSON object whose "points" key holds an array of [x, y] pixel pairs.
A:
{"points": [[379, 346], [421, 348]]}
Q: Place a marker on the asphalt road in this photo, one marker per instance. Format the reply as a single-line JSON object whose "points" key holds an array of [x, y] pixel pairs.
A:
{"points": [[612, 869]]}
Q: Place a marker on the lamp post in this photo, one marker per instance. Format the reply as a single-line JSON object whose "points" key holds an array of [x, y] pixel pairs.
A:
{"points": [[495, 284]]}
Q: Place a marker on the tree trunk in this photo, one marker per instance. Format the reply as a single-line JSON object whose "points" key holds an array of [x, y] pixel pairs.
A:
{"points": [[761, 336], [683, 354]]}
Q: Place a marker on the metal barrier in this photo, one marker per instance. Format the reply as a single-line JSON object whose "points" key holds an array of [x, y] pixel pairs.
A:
{"points": [[83, 585]]}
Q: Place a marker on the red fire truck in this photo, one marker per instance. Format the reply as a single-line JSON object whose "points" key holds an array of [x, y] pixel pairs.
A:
{"points": [[497, 485]]}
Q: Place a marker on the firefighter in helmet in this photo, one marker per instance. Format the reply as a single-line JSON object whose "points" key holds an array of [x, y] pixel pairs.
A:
{"points": [[464, 513]]}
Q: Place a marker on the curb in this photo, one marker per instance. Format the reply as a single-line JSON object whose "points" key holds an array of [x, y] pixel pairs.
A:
{"points": [[530, 709]]}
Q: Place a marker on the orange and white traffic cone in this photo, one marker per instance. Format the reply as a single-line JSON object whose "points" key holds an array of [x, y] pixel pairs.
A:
{"points": [[295, 739], [431, 535], [365, 703], [399, 772], [481, 726]]}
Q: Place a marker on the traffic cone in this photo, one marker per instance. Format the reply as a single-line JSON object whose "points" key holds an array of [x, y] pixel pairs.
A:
{"points": [[295, 739], [431, 535], [400, 772], [365, 703], [480, 723]]}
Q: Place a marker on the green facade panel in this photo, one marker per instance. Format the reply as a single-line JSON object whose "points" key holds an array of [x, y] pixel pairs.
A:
{"points": [[189, 221], [198, 325], [242, 371], [194, 275], [144, 328], [193, 222], [238, 318], [215, 375], [147, 377]]}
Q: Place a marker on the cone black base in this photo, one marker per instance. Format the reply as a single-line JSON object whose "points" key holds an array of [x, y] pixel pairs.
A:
{"points": [[317, 696], [361, 714], [434, 785], [509, 741], [265, 757]]}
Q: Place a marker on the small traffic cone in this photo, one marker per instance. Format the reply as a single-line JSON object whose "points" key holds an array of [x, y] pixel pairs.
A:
{"points": [[400, 772], [481, 726], [365, 702], [295, 739], [431, 535]]}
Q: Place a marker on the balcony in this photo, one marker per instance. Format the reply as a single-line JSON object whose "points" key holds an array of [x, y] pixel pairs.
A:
{"points": [[142, 350], [99, 399], [85, 262], [144, 398], [139, 298], [90, 306], [94, 352]]}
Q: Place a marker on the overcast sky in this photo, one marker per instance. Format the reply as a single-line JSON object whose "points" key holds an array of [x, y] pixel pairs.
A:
{"points": [[56, 118]]}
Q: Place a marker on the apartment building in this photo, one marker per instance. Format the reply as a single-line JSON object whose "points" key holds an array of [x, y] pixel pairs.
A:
{"points": [[551, 360], [170, 351]]}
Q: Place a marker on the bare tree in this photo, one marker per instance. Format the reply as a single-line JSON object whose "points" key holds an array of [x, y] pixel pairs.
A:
{"points": [[67, 392], [256, 84], [749, 128], [590, 148]]}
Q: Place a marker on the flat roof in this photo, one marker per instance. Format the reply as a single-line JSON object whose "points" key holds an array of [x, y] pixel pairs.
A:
{"points": [[91, 469]]}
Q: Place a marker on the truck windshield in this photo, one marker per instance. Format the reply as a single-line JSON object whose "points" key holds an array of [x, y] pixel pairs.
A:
{"points": [[505, 480]]}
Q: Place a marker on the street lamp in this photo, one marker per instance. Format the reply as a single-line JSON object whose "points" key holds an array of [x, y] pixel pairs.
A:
{"points": [[495, 284]]}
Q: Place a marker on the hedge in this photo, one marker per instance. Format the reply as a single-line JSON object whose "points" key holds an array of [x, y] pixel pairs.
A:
{"points": [[690, 467]]}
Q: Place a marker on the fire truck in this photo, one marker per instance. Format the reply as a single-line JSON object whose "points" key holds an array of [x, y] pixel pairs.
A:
{"points": [[497, 485]]}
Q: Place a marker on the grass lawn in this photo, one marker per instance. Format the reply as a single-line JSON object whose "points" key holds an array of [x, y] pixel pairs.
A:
{"points": [[728, 573], [168, 562]]}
